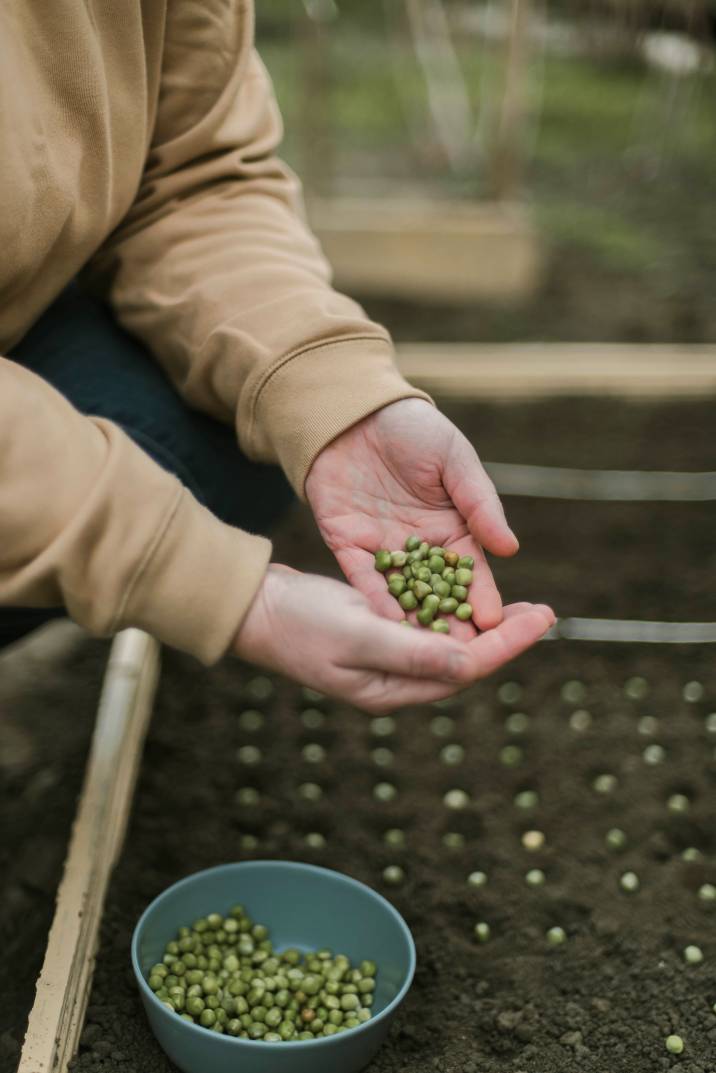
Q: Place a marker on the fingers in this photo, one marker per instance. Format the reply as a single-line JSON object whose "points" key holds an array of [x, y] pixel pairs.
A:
{"points": [[410, 653], [474, 495], [484, 596], [359, 568]]}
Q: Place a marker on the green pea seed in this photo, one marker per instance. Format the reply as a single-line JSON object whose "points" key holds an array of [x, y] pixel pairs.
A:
{"points": [[693, 955], [436, 564], [424, 575], [431, 602], [412, 543], [707, 892], [383, 560], [425, 616], [463, 612], [407, 601], [396, 586], [674, 1044], [421, 590], [482, 931], [448, 575], [466, 562], [463, 576], [398, 558], [459, 592], [440, 625], [556, 936], [448, 605], [451, 558], [442, 589]]}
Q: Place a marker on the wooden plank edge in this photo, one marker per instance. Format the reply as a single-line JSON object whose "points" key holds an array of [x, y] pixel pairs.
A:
{"points": [[63, 986], [523, 372]]}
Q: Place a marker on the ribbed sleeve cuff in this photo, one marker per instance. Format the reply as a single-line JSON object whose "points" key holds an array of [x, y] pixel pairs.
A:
{"points": [[309, 398], [198, 581]]}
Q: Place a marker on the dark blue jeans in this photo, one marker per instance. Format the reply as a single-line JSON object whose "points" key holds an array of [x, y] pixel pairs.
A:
{"points": [[78, 347]]}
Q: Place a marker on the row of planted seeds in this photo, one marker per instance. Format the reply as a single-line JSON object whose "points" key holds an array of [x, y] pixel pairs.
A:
{"points": [[223, 974]]}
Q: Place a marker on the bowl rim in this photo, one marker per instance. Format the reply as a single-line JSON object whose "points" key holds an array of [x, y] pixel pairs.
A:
{"points": [[202, 1032]]}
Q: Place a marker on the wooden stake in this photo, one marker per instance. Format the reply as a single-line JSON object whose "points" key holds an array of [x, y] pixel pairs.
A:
{"points": [[63, 986]]}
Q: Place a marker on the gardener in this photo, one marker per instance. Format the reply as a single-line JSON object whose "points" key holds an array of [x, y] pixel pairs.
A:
{"points": [[162, 298]]}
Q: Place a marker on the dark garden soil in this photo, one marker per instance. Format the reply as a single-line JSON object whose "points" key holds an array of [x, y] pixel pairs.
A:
{"points": [[604, 1000]]}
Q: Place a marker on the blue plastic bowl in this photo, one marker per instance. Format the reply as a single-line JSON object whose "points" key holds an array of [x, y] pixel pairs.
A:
{"points": [[303, 907]]}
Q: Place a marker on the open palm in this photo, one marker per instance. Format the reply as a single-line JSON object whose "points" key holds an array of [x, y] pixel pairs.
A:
{"points": [[407, 469]]}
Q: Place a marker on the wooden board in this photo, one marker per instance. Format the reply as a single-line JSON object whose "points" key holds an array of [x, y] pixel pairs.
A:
{"points": [[512, 371], [63, 986]]}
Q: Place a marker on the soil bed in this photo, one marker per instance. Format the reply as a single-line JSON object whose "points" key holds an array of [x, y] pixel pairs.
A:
{"points": [[609, 995]]}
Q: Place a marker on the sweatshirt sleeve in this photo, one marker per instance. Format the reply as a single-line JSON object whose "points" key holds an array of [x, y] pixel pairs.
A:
{"points": [[215, 269], [90, 522]]}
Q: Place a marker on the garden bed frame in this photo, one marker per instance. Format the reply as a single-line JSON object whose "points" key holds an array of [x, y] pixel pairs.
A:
{"points": [[450, 371]]}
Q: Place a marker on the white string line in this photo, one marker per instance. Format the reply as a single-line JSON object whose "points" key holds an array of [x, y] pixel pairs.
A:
{"points": [[555, 482], [632, 630]]}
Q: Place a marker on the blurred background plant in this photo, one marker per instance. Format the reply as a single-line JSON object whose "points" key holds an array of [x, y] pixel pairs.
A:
{"points": [[597, 119]]}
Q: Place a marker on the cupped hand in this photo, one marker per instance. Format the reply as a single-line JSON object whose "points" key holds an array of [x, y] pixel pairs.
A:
{"points": [[326, 635], [407, 469]]}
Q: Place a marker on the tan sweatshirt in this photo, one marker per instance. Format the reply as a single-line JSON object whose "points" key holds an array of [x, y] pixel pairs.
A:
{"points": [[137, 143]]}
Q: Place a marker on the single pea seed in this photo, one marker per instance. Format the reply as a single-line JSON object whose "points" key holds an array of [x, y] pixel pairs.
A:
{"points": [[441, 589], [452, 754], [456, 799], [573, 691], [248, 796], [421, 590], [251, 720], [517, 723], [451, 558], [580, 719], [436, 564], [509, 692], [431, 602], [535, 877], [398, 558], [448, 605], [674, 1044], [312, 718], [556, 936], [412, 543], [477, 879], [382, 726], [463, 576], [526, 799], [394, 837], [453, 840], [693, 955], [678, 803], [466, 561], [408, 601], [482, 931], [533, 840], [459, 592], [425, 616], [248, 843], [423, 575], [310, 791], [629, 882], [383, 560], [396, 586], [710, 723], [693, 692], [250, 754], [636, 688], [313, 753], [260, 688], [441, 726], [615, 839], [647, 725], [315, 840], [440, 625], [654, 754], [448, 576], [707, 892], [393, 875], [691, 854], [511, 755], [385, 791], [604, 784], [436, 549], [382, 757], [463, 612], [424, 549]]}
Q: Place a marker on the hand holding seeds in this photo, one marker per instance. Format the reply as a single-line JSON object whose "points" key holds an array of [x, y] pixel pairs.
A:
{"points": [[325, 634], [406, 469]]}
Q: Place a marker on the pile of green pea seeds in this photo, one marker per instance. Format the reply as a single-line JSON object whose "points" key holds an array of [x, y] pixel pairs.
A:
{"points": [[222, 973], [431, 578]]}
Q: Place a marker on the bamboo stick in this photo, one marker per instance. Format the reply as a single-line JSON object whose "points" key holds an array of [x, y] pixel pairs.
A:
{"points": [[63, 986]]}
